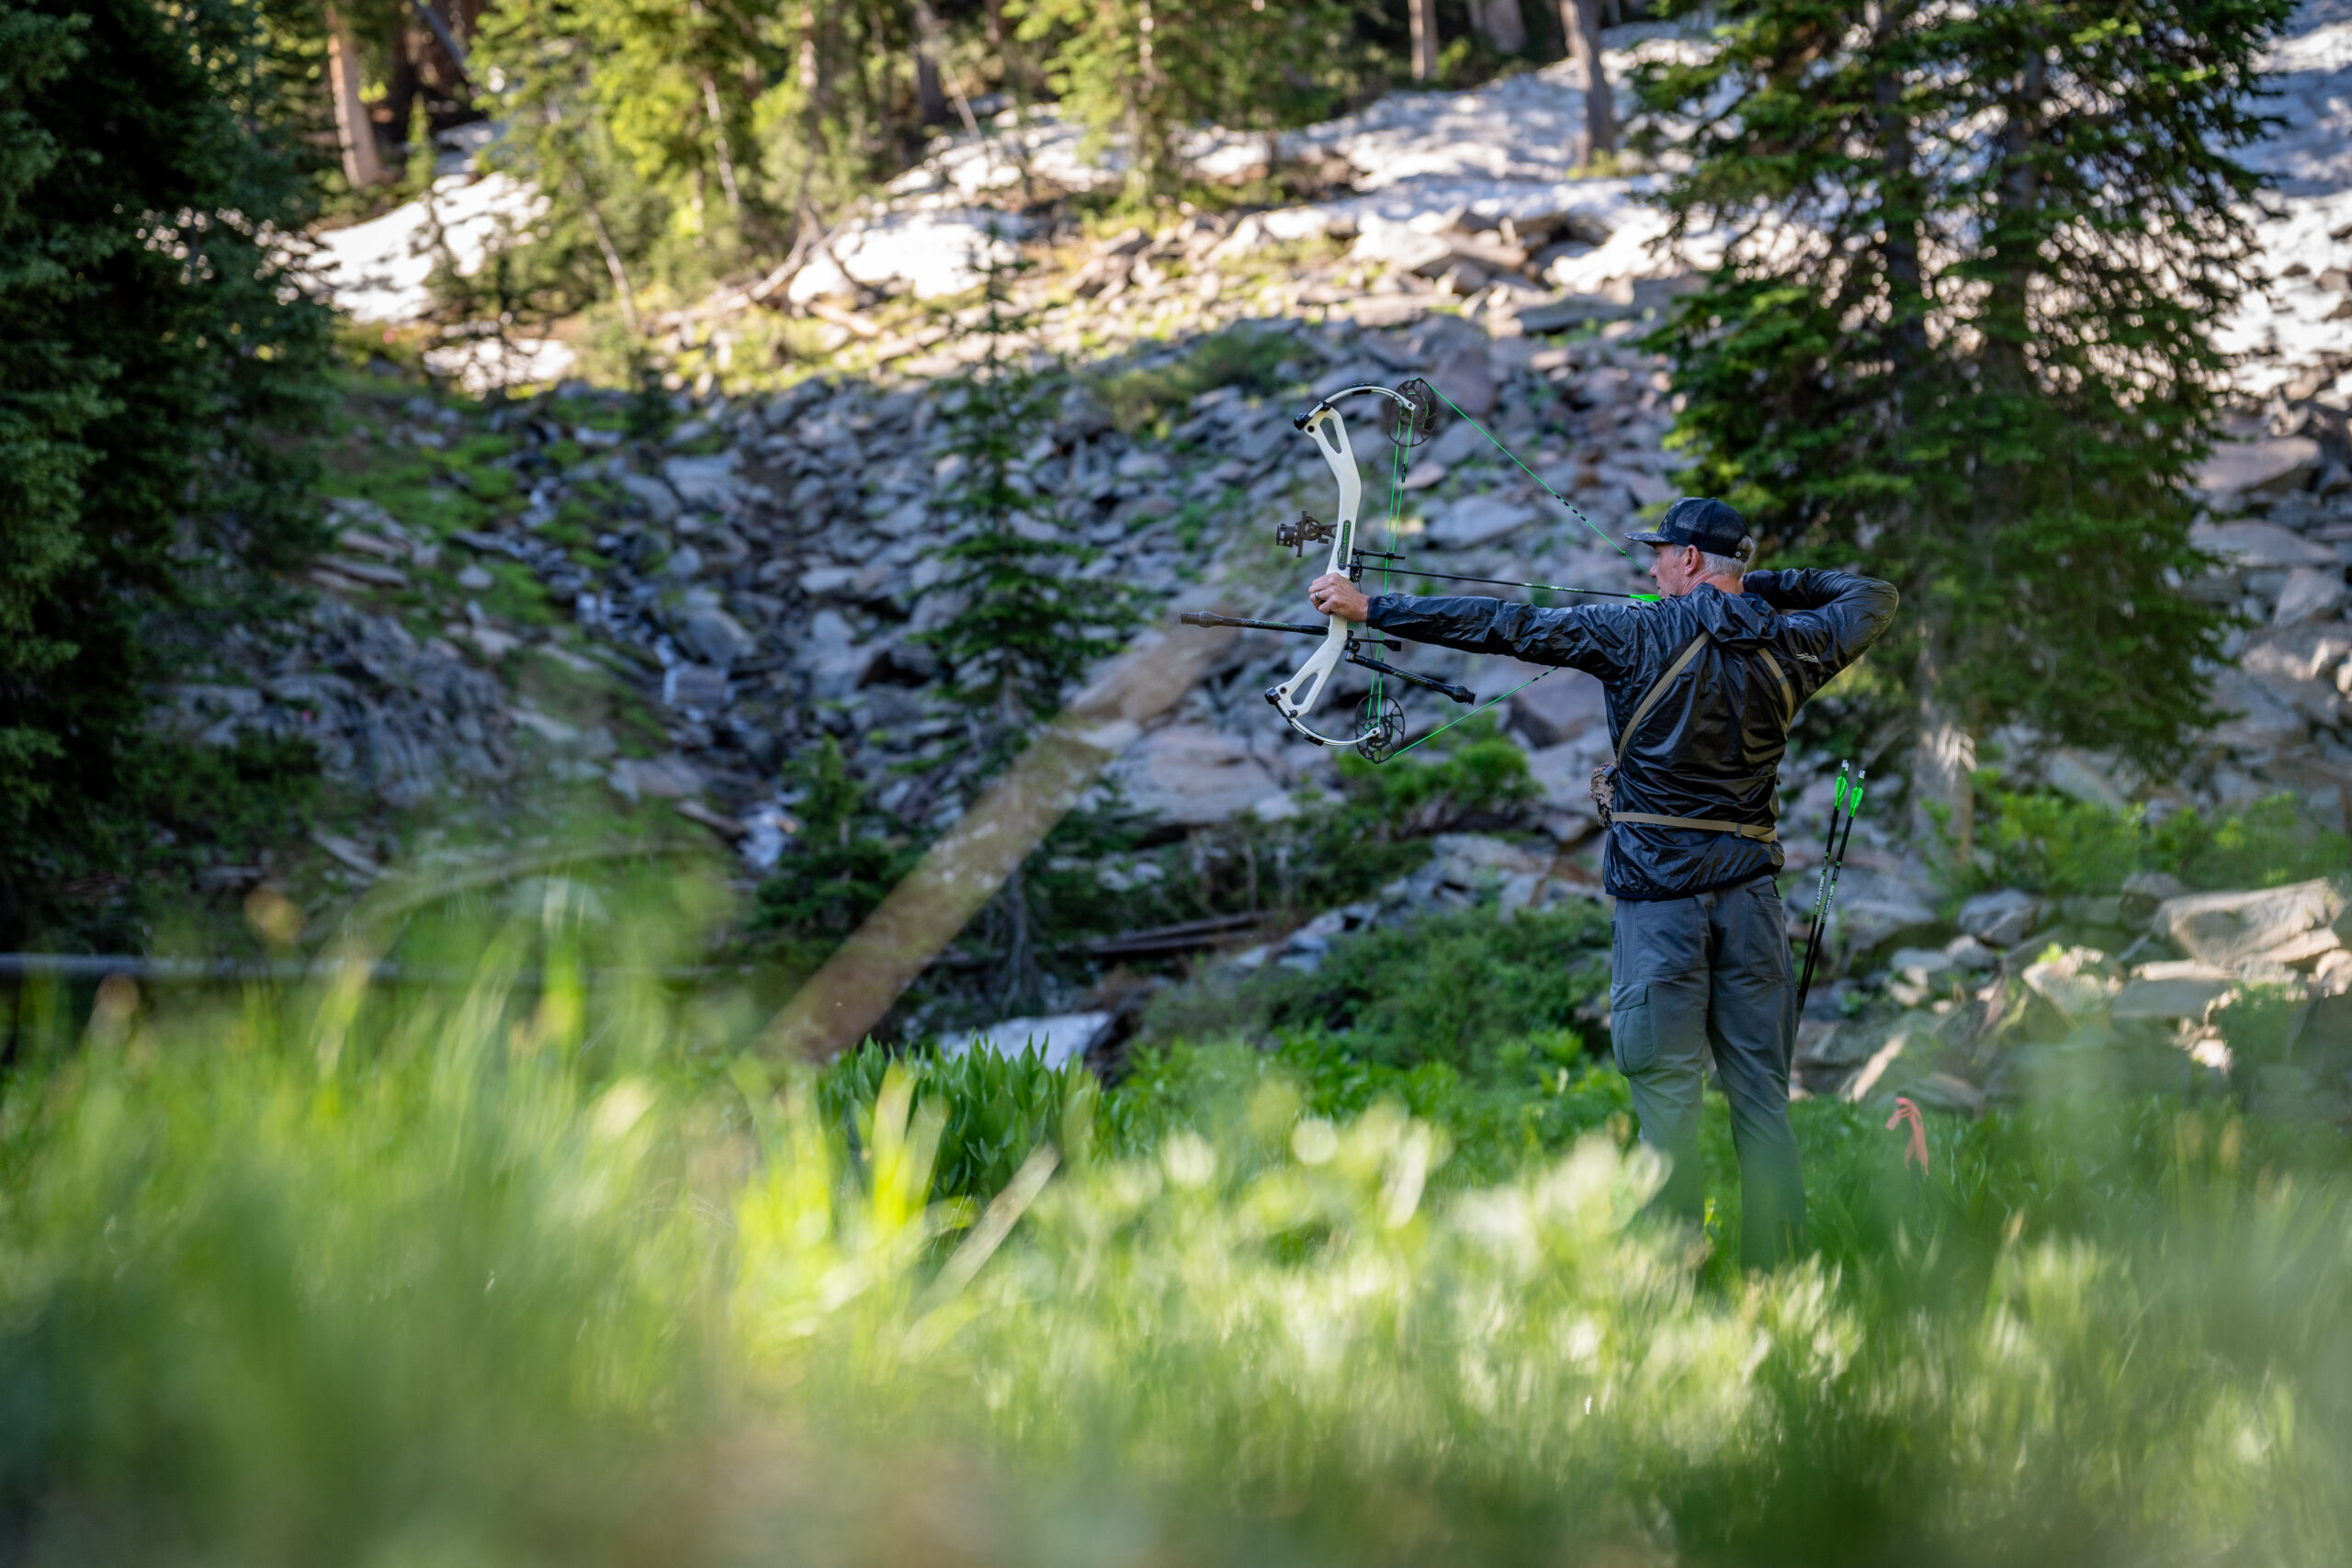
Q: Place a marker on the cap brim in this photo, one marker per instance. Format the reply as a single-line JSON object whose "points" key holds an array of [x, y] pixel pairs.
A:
{"points": [[1650, 537]]}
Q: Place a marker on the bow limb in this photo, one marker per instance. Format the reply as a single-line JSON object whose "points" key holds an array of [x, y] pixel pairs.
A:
{"points": [[1296, 697]]}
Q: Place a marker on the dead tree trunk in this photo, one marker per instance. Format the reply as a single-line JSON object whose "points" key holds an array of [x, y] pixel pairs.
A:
{"points": [[1501, 24], [362, 164], [1580, 19], [1423, 14]]}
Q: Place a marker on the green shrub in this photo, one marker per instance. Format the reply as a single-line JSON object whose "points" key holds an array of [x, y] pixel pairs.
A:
{"points": [[996, 1109], [2050, 843], [1238, 357], [1456, 988]]}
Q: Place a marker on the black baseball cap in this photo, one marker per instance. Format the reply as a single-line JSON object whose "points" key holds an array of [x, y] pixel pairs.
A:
{"points": [[1698, 520]]}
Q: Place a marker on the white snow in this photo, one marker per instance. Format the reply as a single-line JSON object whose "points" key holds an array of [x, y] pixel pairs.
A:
{"points": [[377, 270], [931, 251]]}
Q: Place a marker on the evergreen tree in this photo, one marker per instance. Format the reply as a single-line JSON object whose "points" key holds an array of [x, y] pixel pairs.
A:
{"points": [[1148, 70], [157, 358], [1965, 339], [1024, 625]]}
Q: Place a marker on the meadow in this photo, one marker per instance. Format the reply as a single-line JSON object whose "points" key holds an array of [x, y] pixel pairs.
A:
{"points": [[533, 1267]]}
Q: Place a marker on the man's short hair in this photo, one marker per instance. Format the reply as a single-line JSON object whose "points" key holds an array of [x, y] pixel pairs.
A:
{"points": [[1731, 566]]}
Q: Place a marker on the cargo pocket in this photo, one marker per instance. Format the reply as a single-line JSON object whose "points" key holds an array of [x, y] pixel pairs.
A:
{"points": [[1632, 1031]]}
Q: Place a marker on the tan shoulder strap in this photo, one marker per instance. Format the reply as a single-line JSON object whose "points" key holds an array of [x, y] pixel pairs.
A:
{"points": [[1788, 693], [1650, 698]]}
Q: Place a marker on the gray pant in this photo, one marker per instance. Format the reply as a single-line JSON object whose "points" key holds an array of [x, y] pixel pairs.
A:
{"points": [[1715, 968]]}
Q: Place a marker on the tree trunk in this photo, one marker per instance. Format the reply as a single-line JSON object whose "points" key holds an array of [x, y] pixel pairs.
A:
{"points": [[725, 154], [929, 99], [1423, 14], [362, 165], [1501, 24], [1580, 19]]}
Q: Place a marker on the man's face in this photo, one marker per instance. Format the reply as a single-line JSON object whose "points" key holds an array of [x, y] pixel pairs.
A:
{"points": [[1675, 568]]}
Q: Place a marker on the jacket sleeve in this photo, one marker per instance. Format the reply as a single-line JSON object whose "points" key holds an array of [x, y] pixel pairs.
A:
{"points": [[1602, 640], [1832, 615]]}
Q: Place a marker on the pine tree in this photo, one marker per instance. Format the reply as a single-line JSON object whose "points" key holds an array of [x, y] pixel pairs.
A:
{"points": [[1147, 71], [1024, 625], [157, 365], [1965, 339]]}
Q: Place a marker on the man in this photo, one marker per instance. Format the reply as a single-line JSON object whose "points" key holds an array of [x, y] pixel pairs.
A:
{"points": [[1702, 689]]}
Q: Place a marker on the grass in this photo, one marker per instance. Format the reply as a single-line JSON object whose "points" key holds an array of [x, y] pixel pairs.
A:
{"points": [[533, 1269]]}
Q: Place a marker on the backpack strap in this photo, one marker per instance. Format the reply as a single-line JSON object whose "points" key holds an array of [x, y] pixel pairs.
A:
{"points": [[1650, 698], [1763, 832]]}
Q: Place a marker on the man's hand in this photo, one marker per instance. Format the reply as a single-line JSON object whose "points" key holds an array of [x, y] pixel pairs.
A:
{"points": [[1333, 595]]}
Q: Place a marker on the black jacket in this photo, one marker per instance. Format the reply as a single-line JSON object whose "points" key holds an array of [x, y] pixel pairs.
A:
{"points": [[1712, 746]]}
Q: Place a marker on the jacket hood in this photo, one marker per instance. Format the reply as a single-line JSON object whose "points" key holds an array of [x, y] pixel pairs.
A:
{"points": [[1734, 620]]}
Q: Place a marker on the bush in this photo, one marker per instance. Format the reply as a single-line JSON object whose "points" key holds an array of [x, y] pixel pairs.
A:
{"points": [[1455, 988], [1238, 357], [2050, 843]]}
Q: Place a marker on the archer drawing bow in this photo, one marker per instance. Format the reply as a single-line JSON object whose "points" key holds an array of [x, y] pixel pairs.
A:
{"points": [[1410, 411]]}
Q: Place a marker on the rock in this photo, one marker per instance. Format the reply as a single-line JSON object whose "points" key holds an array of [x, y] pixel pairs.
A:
{"points": [[2278, 925], [820, 580], [2237, 467], [705, 482], [1479, 520], [2259, 546], [1560, 707], [2077, 982], [2161, 992], [1574, 311], [2093, 909], [715, 638], [668, 777], [1967, 952], [699, 687], [1059, 1039], [1465, 376], [1191, 775], [659, 500], [1921, 964], [2312, 594], [2001, 919]]}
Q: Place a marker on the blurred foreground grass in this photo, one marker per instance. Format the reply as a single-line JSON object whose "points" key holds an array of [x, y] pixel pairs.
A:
{"points": [[511, 1272]]}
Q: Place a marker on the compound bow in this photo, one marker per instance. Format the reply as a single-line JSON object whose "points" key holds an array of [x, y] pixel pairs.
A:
{"points": [[1410, 419]]}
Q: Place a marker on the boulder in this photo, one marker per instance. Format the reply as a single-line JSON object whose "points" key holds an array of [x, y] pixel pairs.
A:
{"points": [[714, 637], [2259, 546], [660, 503], [2163, 992], [1061, 1038], [2276, 925], [1465, 376], [2076, 982], [1560, 707], [2236, 466], [1479, 520], [1191, 775], [2312, 594], [2001, 919]]}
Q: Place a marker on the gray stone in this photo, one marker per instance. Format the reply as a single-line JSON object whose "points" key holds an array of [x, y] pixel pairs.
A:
{"points": [[699, 687], [1465, 376], [2276, 925], [713, 636], [659, 500], [2259, 546], [2001, 919], [2236, 466], [1561, 706], [704, 481], [1479, 520], [2162, 992], [1059, 1039], [2312, 594], [819, 580], [1194, 777]]}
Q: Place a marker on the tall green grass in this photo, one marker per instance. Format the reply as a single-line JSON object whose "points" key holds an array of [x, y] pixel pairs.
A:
{"points": [[521, 1273]]}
